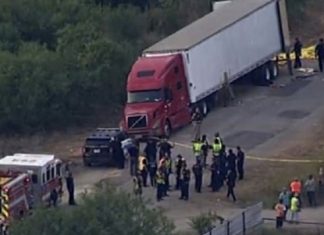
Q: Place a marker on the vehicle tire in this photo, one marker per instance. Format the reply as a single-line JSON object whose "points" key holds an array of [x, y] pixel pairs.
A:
{"points": [[204, 108], [274, 70], [86, 164], [267, 74], [167, 129]]}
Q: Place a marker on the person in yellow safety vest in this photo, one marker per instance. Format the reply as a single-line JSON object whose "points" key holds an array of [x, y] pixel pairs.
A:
{"points": [[197, 148], [141, 162], [160, 181], [217, 137], [143, 169], [294, 208], [216, 147]]}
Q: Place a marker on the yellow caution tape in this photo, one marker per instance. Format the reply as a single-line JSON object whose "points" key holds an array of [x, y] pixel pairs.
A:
{"points": [[265, 158], [307, 53]]}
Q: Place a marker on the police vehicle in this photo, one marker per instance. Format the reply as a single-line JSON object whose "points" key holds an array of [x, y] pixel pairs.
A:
{"points": [[103, 147]]}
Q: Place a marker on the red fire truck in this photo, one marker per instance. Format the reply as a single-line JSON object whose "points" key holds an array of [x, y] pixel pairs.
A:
{"points": [[15, 195], [28, 180]]}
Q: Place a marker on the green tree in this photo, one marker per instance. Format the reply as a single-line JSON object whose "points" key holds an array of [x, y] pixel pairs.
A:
{"points": [[106, 212]]}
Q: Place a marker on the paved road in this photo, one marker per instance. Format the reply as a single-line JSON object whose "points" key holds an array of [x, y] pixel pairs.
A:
{"points": [[260, 120]]}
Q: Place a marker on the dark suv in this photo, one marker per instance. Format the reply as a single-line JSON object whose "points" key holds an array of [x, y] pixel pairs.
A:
{"points": [[103, 147]]}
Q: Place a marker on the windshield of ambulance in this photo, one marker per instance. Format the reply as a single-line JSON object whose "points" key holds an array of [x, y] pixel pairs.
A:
{"points": [[145, 96]]}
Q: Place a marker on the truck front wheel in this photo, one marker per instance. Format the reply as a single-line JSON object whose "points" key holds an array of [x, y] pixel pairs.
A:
{"points": [[167, 129], [204, 108]]}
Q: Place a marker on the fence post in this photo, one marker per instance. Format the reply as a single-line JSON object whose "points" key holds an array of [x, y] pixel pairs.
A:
{"points": [[243, 222], [228, 227]]}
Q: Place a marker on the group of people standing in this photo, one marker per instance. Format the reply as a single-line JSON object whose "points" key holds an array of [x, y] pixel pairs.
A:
{"points": [[319, 53], [225, 167], [290, 201]]}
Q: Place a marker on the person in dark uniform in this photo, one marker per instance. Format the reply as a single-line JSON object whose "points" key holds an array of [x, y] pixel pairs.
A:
{"points": [[152, 172], [118, 153], [216, 177], [160, 184], [151, 150], [133, 152], [168, 171], [319, 52], [185, 183], [165, 148], [196, 119], [179, 165], [144, 172], [231, 184], [204, 148], [222, 165], [240, 162], [197, 170], [231, 161], [165, 183], [213, 169], [298, 52], [70, 188]]}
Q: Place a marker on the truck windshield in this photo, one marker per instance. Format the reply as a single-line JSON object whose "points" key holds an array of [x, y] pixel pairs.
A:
{"points": [[145, 96]]}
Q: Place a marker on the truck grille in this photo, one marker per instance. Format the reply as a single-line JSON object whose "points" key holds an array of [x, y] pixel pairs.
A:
{"points": [[137, 121]]}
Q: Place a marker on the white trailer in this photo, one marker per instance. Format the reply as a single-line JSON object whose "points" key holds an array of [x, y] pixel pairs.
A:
{"points": [[235, 39]]}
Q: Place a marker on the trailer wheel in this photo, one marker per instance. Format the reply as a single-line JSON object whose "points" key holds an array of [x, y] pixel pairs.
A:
{"points": [[167, 129], [267, 73], [274, 70], [265, 76], [204, 108]]}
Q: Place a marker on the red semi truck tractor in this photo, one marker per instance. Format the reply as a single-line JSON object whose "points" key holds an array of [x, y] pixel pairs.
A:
{"points": [[186, 69]]}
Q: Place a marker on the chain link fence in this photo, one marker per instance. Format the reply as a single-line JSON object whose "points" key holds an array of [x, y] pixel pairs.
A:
{"points": [[241, 223]]}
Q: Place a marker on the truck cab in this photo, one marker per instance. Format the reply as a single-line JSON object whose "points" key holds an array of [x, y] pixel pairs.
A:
{"points": [[157, 96]]}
